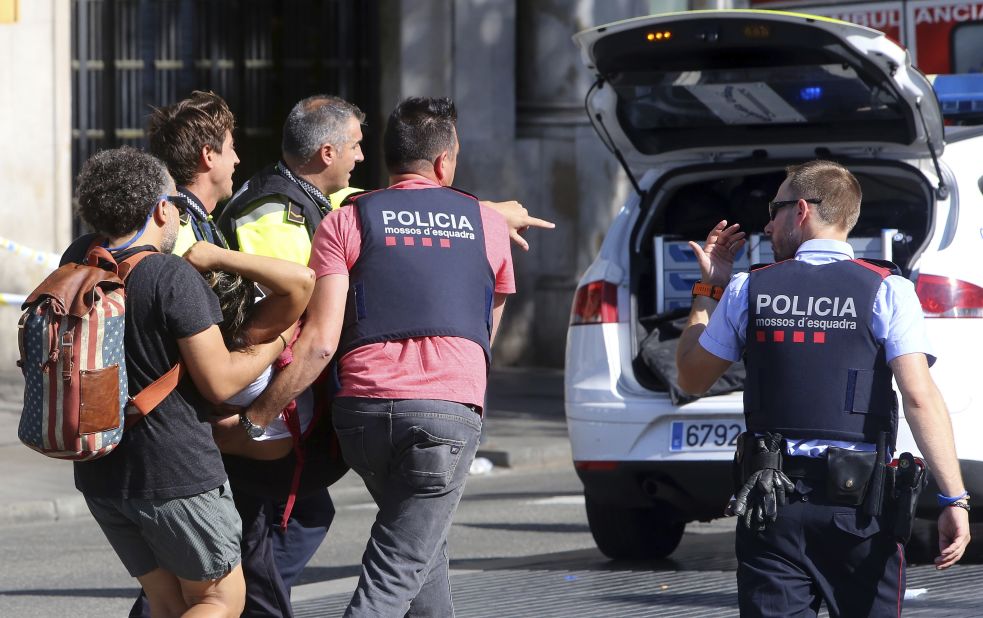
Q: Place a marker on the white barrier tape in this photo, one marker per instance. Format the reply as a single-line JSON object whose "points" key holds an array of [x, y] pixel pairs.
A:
{"points": [[15, 300], [48, 260]]}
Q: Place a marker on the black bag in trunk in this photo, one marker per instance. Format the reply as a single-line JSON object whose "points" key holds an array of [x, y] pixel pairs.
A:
{"points": [[658, 352]]}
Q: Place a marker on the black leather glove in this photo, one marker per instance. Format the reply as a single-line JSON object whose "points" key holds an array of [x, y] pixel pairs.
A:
{"points": [[757, 502]]}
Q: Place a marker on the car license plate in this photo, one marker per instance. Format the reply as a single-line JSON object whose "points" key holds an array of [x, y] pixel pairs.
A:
{"points": [[704, 435]]}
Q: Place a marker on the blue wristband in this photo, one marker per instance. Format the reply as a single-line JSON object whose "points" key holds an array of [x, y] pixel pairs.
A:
{"points": [[947, 500]]}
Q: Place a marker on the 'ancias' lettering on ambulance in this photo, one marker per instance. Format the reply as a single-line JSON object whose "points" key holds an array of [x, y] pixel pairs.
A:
{"points": [[950, 13], [428, 223], [812, 306]]}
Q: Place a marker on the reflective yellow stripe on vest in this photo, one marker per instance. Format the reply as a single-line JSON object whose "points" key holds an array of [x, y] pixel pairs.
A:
{"points": [[185, 238], [273, 236], [265, 230], [339, 196]]}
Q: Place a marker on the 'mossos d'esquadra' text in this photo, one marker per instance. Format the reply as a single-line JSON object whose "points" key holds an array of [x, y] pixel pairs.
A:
{"points": [[820, 312]]}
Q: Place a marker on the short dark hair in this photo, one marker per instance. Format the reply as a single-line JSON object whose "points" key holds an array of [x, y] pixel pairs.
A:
{"points": [[419, 129], [117, 189], [315, 121], [837, 189], [178, 132]]}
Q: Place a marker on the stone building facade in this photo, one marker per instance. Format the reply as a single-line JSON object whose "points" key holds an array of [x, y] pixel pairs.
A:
{"points": [[509, 64]]}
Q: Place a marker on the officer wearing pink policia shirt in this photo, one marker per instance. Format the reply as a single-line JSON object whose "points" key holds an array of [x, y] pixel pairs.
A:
{"points": [[411, 286]]}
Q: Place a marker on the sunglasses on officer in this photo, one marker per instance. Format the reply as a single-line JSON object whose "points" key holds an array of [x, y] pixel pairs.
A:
{"points": [[775, 206]]}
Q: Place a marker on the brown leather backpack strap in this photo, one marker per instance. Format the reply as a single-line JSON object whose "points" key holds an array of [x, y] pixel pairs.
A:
{"points": [[71, 288], [150, 397], [126, 266], [97, 252], [21, 324]]}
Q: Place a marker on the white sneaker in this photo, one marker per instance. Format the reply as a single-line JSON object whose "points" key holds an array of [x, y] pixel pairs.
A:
{"points": [[481, 465]]}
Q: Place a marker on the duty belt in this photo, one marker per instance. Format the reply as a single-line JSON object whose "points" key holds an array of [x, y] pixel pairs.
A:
{"points": [[801, 467]]}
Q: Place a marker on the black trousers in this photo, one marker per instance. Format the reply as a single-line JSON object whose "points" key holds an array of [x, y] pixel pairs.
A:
{"points": [[266, 594], [817, 552], [309, 521]]}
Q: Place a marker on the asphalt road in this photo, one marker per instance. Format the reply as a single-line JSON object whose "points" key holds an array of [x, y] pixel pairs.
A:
{"points": [[66, 568], [520, 546]]}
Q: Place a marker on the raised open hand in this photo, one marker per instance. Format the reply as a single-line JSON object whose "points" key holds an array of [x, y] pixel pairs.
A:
{"points": [[716, 256]]}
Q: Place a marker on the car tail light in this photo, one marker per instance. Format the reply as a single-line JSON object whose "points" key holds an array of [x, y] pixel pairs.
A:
{"points": [[945, 297], [595, 303]]}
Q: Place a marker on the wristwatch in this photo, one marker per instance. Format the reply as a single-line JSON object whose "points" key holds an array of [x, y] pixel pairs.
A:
{"points": [[705, 289], [252, 430]]}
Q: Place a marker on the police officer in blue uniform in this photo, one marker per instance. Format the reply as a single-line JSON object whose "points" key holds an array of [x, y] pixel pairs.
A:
{"points": [[821, 515]]}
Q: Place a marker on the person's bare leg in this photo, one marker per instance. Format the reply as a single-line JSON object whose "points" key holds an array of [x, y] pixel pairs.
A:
{"points": [[163, 593], [218, 598]]}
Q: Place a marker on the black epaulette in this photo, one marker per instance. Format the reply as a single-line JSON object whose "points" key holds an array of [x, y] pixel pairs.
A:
{"points": [[465, 193], [351, 196]]}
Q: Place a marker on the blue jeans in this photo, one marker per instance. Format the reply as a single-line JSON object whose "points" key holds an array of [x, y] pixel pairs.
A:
{"points": [[414, 456]]}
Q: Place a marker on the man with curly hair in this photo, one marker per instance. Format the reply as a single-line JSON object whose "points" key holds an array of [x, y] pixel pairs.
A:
{"points": [[162, 496], [193, 138]]}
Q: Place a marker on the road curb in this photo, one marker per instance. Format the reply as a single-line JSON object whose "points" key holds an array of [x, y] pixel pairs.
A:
{"points": [[37, 511], [527, 456], [67, 508]]}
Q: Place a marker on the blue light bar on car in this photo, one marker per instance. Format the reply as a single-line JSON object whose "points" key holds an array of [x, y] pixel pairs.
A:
{"points": [[959, 95], [811, 93]]}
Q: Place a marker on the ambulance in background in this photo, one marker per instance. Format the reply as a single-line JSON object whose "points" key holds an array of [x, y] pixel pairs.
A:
{"points": [[942, 37]]}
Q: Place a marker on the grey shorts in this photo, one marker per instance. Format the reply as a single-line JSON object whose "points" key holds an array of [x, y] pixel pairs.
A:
{"points": [[194, 537]]}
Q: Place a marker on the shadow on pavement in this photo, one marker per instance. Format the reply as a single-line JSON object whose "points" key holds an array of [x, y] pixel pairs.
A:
{"points": [[313, 574], [531, 527], [96, 593]]}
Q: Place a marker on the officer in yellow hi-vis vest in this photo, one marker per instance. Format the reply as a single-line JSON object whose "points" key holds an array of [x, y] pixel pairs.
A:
{"points": [[193, 138], [275, 214], [277, 211]]}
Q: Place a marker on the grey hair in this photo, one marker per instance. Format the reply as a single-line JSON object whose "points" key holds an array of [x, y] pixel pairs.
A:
{"points": [[315, 121], [118, 188]]}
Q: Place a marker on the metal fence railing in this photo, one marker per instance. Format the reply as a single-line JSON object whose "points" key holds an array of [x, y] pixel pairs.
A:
{"points": [[261, 56]]}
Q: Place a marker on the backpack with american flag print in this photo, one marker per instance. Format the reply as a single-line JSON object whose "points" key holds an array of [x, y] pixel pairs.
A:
{"points": [[76, 400]]}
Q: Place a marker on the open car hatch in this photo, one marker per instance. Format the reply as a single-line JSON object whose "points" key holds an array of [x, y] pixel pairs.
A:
{"points": [[739, 83]]}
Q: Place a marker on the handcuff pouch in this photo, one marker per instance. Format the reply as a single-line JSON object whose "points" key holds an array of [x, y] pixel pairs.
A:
{"points": [[848, 475]]}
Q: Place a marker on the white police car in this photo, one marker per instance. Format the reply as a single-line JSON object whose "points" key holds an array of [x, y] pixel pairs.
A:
{"points": [[707, 108]]}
